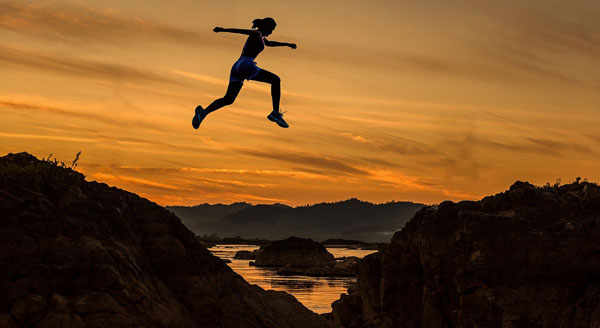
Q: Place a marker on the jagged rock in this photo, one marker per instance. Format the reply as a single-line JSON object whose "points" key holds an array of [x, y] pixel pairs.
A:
{"points": [[82, 254], [527, 257]]}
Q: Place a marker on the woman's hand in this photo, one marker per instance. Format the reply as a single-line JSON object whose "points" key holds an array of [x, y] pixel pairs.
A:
{"points": [[218, 29], [292, 45]]}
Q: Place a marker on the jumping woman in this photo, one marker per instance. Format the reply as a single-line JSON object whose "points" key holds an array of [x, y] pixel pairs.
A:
{"points": [[245, 69]]}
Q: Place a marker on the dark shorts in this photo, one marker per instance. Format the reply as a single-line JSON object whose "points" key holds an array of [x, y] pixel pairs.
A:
{"points": [[243, 69]]}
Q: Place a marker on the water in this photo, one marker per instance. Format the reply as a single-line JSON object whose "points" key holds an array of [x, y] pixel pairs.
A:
{"points": [[316, 293]]}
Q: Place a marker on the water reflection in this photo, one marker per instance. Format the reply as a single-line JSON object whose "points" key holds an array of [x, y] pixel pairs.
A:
{"points": [[316, 293]]}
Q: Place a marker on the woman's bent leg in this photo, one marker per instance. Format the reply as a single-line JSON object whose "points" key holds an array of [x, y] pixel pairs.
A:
{"points": [[232, 92], [268, 77]]}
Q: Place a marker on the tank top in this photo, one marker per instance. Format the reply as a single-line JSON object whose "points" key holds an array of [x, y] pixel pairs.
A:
{"points": [[254, 45]]}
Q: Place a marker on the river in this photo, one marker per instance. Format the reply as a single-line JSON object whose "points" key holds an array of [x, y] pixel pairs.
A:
{"points": [[316, 293]]}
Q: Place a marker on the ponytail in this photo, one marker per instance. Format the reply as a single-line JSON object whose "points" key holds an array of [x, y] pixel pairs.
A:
{"points": [[264, 22]]}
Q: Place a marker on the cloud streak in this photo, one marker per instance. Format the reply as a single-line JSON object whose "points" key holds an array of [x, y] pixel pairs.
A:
{"points": [[61, 64], [88, 23], [321, 163], [99, 116], [119, 179]]}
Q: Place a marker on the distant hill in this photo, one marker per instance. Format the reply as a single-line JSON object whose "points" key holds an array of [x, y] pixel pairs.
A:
{"points": [[208, 213], [349, 219]]}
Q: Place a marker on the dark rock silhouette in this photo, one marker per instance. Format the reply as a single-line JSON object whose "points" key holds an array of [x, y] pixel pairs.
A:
{"points": [[82, 254], [303, 256], [293, 251], [245, 255], [349, 219], [527, 257]]}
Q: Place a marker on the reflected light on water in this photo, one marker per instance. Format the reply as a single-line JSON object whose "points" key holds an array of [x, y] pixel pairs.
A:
{"points": [[316, 293]]}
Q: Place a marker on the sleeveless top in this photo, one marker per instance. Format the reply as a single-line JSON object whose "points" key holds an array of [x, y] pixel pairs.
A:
{"points": [[254, 45]]}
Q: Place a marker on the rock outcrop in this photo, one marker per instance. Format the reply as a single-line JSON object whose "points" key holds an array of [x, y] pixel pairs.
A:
{"points": [[528, 257], [245, 255], [302, 256], [295, 252], [82, 254]]}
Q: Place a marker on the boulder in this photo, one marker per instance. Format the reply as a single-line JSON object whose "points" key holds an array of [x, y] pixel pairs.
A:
{"points": [[300, 256], [245, 255], [295, 252]]}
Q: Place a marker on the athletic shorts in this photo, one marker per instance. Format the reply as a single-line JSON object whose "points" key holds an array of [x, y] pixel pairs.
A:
{"points": [[243, 69]]}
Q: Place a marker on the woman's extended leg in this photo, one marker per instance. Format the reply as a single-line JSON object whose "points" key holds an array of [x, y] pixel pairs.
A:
{"points": [[268, 77], [232, 91]]}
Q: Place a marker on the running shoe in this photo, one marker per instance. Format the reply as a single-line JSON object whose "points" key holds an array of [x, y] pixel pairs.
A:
{"points": [[198, 116], [277, 117]]}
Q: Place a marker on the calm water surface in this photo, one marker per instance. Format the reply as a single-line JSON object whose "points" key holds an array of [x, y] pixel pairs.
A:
{"points": [[316, 293]]}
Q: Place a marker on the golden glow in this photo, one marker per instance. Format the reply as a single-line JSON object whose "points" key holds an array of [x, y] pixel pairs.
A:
{"points": [[387, 100]]}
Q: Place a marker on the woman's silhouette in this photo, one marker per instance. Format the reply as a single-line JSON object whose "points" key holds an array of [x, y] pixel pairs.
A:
{"points": [[245, 69]]}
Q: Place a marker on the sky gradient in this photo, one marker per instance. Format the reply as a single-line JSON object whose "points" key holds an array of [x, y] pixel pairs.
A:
{"points": [[386, 100]]}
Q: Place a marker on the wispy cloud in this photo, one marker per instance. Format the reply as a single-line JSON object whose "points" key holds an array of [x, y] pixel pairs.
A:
{"points": [[320, 162], [520, 41], [61, 64], [46, 137], [95, 115], [357, 138], [120, 179], [595, 137], [541, 38], [541, 146], [548, 27], [144, 170], [80, 21]]}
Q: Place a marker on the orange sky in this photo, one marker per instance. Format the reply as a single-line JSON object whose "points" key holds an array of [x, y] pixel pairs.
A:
{"points": [[387, 100]]}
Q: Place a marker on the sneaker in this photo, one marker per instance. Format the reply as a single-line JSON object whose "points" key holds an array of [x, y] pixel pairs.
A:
{"points": [[277, 117], [198, 117]]}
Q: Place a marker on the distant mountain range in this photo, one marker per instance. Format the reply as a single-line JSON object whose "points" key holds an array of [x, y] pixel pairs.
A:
{"points": [[349, 219]]}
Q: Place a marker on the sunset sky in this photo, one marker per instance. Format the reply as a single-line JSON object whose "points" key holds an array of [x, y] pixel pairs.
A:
{"points": [[386, 100]]}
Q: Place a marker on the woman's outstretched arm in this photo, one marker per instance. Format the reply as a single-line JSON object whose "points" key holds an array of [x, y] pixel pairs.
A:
{"points": [[235, 30], [279, 44]]}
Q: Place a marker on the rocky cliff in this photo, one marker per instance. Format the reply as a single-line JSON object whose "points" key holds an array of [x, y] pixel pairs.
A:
{"points": [[527, 257], [81, 254]]}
